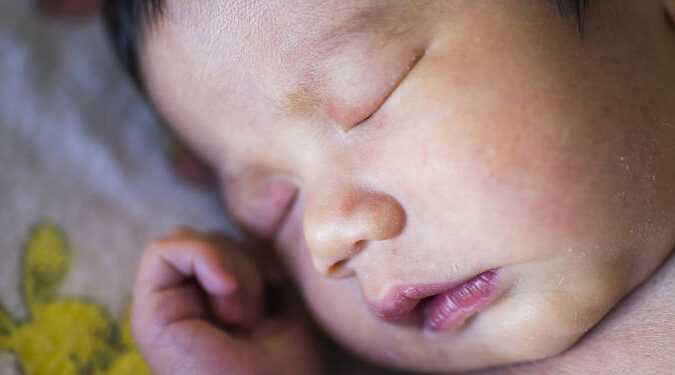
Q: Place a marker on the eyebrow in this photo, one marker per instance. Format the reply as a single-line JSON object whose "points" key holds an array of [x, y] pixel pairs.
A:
{"points": [[305, 92]]}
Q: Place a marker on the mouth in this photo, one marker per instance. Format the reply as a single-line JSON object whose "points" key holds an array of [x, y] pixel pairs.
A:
{"points": [[438, 307]]}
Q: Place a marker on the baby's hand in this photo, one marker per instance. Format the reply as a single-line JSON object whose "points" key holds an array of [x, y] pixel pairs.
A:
{"points": [[198, 309]]}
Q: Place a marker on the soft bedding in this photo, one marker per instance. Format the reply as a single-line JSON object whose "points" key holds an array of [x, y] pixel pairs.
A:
{"points": [[85, 182]]}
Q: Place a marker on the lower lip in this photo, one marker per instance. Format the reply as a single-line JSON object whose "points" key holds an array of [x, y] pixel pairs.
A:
{"points": [[449, 310]]}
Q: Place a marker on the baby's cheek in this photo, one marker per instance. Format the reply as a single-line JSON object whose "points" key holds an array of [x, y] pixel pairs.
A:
{"points": [[550, 310], [536, 326], [545, 192], [521, 157]]}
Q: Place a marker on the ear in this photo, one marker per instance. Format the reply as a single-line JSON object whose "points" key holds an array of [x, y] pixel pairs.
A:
{"points": [[46, 263]]}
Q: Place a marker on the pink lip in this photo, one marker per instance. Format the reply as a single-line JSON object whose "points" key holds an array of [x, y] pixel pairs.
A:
{"points": [[438, 307]]}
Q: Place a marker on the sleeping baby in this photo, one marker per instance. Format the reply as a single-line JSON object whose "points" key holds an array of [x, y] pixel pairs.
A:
{"points": [[451, 185]]}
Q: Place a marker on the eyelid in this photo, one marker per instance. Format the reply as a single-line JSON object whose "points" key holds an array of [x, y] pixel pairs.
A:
{"points": [[396, 83]]}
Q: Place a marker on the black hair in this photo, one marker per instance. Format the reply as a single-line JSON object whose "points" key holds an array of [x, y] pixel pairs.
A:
{"points": [[126, 20], [577, 8]]}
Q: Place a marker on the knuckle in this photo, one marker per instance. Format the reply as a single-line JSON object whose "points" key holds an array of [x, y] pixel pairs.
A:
{"points": [[188, 244], [183, 233], [159, 311], [177, 235], [155, 246]]}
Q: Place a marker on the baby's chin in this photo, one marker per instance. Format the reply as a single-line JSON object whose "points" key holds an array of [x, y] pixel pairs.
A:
{"points": [[530, 320], [515, 330]]}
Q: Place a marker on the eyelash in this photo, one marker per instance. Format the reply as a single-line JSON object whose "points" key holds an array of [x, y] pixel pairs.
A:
{"points": [[415, 60]]}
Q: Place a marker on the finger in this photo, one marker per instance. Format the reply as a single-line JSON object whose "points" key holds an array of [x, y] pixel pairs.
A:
{"points": [[231, 281], [241, 309], [244, 307], [228, 310], [171, 283], [271, 268], [169, 263], [180, 279], [164, 307], [290, 341], [189, 347]]}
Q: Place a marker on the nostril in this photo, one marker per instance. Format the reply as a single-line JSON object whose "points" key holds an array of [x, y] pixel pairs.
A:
{"points": [[339, 229], [357, 247], [340, 269]]}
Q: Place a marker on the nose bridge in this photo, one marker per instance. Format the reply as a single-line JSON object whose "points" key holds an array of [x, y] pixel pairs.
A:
{"points": [[341, 221]]}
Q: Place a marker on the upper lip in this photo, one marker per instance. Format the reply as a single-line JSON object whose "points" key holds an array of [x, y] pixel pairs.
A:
{"points": [[402, 299]]}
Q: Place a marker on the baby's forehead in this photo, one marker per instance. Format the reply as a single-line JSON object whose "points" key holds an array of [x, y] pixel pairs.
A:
{"points": [[296, 55], [274, 33], [287, 25], [292, 43], [265, 14]]}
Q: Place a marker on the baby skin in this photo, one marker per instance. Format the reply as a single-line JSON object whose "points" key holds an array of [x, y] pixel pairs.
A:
{"points": [[451, 185]]}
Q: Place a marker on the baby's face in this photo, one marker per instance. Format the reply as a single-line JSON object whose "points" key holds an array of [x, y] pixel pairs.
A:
{"points": [[454, 184]]}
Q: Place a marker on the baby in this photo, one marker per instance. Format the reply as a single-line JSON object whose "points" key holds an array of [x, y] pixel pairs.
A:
{"points": [[453, 185]]}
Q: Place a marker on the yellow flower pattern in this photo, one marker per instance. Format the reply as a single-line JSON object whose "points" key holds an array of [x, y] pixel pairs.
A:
{"points": [[64, 336]]}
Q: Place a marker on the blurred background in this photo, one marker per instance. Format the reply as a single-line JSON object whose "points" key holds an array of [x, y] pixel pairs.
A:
{"points": [[87, 177]]}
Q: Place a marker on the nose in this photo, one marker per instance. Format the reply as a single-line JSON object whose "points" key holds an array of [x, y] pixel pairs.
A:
{"points": [[338, 226]]}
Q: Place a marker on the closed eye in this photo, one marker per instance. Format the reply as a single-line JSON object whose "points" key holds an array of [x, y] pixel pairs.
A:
{"points": [[393, 86]]}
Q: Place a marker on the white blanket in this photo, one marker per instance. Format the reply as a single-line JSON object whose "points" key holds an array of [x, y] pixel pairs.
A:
{"points": [[79, 150]]}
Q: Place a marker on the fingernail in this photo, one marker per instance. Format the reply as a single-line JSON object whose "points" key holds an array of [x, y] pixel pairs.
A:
{"points": [[231, 285]]}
